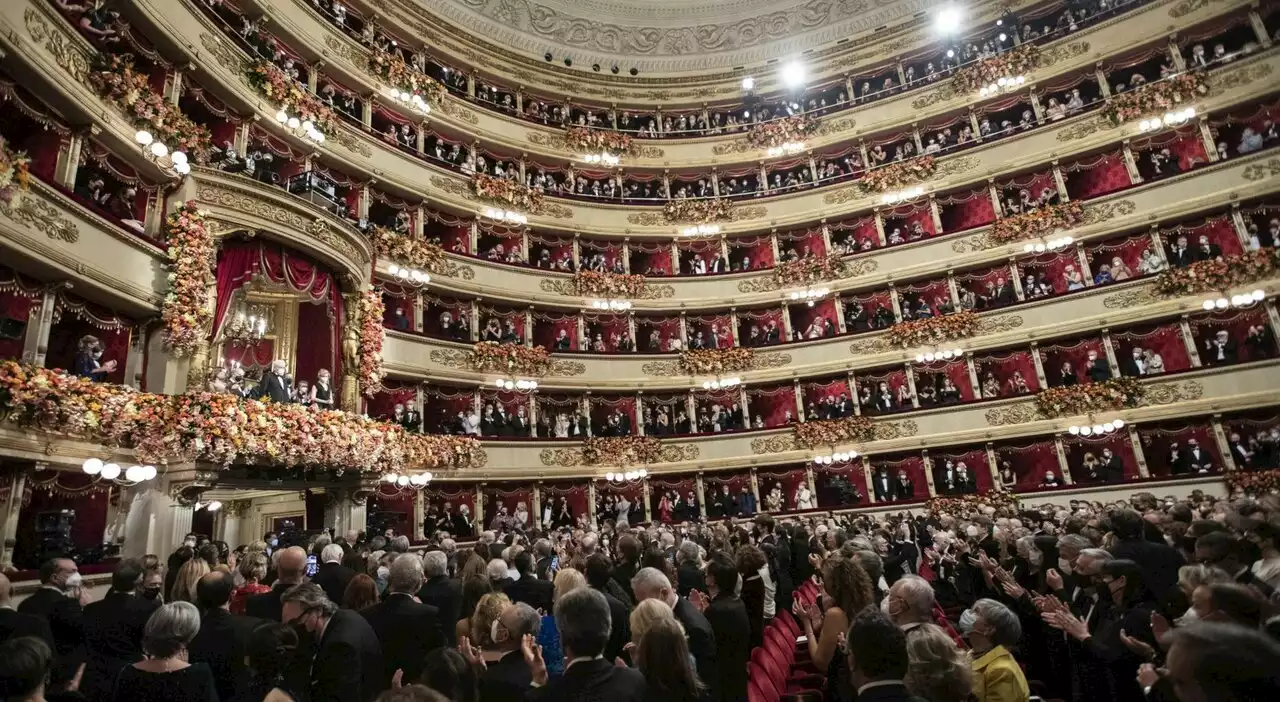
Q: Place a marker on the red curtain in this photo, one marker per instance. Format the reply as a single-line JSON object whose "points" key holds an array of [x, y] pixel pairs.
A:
{"points": [[436, 308], [392, 506], [651, 258], [236, 267], [668, 329], [983, 283], [815, 393], [452, 494], [1030, 462], [441, 407], [1053, 358], [789, 481], [556, 249], [1030, 186], [501, 315], [861, 231], [803, 318], [1237, 324], [871, 302], [913, 464], [1093, 177], [933, 293], [612, 253], [511, 496], [716, 331], [903, 218], [828, 495], [52, 493], [1157, 439], [602, 407], [761, 320], [1077, 447], [957, 371], [509, 400], [758, 249], [606, 329], [17, 297], [772, 405], [633, 490], [1165, 340], [966, 210], [454, 235], [75, 318], [1004, 369], [895, 380], [975, 460], [1184, 144], [321, 331], [803, 244], [713, 483], [382, 405], [575, 494], [1122, 257], [1217, 231], [256, 355], [547, 328]]}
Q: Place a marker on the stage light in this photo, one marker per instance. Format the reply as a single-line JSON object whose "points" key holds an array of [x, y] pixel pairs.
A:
{"points": [[948, 20], [793, 74], [213, 506], [748, 83]]}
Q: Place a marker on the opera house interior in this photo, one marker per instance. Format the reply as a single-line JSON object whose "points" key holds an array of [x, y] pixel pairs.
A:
{"points": [[411, 266]]}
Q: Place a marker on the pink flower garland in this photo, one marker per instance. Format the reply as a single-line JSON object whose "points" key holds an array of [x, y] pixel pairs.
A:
{"points": [[372, 335], [187, 312]]}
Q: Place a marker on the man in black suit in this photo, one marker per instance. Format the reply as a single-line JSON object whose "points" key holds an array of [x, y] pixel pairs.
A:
{"points": [[585, 623], [1160, 562], [651, 583], [730, 626], [275, 385], [1180, 254], [1223, 550], [1197, 459], [1110, 468], [883, 485], [905, 488], [59, 602], [1134, 366], [223, 637], [1220, 349], [599, 575], [529, 589], [510, 676], [1097, 368], [113, 629], [14, 624], [347, 662], [878, 661], [1207, 250], [407, 630], [442, 592], [291, 566], [332, 576]]}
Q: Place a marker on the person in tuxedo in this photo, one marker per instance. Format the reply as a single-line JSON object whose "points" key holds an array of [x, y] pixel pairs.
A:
{"points": [[462, 524], [599, 572], [1134, 366], [883, 486], [113, 629], [275, 385], [441, 592], [346, 665], [529, 588], [964, 480], [1220, 350], [59, 601], [223, 639], [406, 629], [1096, 368], [1176, 461], [878, 662], [1197, 459], [1180, 254], [291, 567], [1240, 453], [945, 479], [905, 489], [1110, 468], [1159, 561], [1002, 293], [332, 576], [1207, 250], [14, 624], [584, 622], [730, 626], [651, 583]]}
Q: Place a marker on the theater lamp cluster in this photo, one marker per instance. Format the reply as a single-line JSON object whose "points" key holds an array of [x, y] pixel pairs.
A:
{"points": [[1170, 119], [1050, 245], [1002, 84], [1096, 429], [113, 471], [626, 476], [944, 355], [520, 384], [408, 275], [303, 128], [501, 215], [604, 158], [838, 457], [413, 100], [701, 230], [721, 383], [901, 195], [611, 305], [404, 480], [810, 295], [1242, 300], [791, 147], [158, 152]]}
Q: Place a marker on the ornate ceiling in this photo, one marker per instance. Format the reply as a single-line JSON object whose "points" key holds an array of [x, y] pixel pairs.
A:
{"points": [[670, 36]]}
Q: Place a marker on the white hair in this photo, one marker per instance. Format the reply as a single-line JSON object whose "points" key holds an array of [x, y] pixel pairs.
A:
{"points": [[406, 574], [487, 537], [496, 570], [332, 553], [917, 593], [434, 563], [649, 581]]}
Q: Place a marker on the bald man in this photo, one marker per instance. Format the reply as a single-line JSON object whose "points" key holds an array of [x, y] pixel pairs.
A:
{"points": [[291, 568], [14, 623]]}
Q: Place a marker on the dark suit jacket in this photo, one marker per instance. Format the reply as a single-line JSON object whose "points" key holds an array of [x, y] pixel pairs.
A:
{"points": [[407, 630], [113, 636], [689, 578], [531, 591], [620, 632], [885, 491], [14, 624], [348, 662], [221, 645], [594, 681], [1099, 370], [333, 579], [64, 615], [1160, 564], [505, 679], [702, 642], [896, 692], [732, 629], [267, 605], [273, 387], [445, 594]]}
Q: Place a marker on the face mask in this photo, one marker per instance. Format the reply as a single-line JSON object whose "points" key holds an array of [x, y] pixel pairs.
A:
{"points": [[1036, 558], [72, 582], [383, 573], [1064, 565], [496, 628], [884, 607], [189, 543], [967, 619], [274, 542]]}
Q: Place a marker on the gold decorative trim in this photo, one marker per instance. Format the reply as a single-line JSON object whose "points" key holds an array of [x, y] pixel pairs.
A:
{"points": [[672, 369], [974, 244], [768, 283], [1083, 129], [774, 444], [836, 127], [1137, 297], [1186, 7], [1106, 211], [564, 458], [65, 49], [352, 55], [1014, 414], [572, 457], [737, 146], [1261, 171], [1063, 52], [223, 53], [940, 94], [871, 345], [1242, 76], [997, 324], [1171, 392], [41, 216], [888, 431], [461, 360]]}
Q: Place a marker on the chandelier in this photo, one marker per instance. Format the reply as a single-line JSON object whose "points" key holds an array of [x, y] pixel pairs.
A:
{"points": [[721, 383], [159, 153], [247, 327], [944, 355], [604, 158], [611, 305], [412, 481], [1101, 429], [700, 230], [112, 471], [810, 295], [413, 100], [1241, 300], [210, 506], [901, 195], [405, 274], [300, 127], [1050, 245], [626, 476], [510, 216], [837, 457], [791, 147], [522, 385], [1170, 119], [1001, 85]]}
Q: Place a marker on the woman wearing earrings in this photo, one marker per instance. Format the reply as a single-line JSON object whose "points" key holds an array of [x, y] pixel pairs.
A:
{"points": [[322, 392]]}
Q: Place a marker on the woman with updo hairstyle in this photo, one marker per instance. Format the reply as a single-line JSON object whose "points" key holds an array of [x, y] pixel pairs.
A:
{"points": [[165, 673], [488, 609], [846, 590], [269, 652], [938, 671]]}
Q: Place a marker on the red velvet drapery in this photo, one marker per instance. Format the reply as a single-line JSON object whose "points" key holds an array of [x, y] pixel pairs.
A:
{"points": [[869, 385], [1158, 440], [667, 328], [18, 296], [1030, 462], [966, 210], [957, 371], [755, 251], [974, 459], [816, 322], [1096, 176], [574, 494], [382, 405], [547, 328], [774, 405], [1005, 368], [1078, 447], [824, 478], [913, 464], [1165, 340], [1237, 324], [75, 318], [788, 480], [716, 331], [51, 494], [1055, 356]]}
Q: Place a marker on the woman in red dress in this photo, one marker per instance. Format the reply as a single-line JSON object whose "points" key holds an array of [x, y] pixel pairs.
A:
{"points": [[664, 508], [253, 567]]}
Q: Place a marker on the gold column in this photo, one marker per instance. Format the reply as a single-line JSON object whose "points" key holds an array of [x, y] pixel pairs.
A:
{"points": [[1138, 454], [1039, 363], [1189, 340], [1130, 163], [993, 466], [1224, 446], [1063, 468], [911, 386], [1061, 181], [928, 473], [799, 398]]}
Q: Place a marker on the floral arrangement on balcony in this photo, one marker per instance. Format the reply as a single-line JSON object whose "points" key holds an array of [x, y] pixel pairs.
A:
{"points": [[592, 141], [514, 359], [1075, 400], [219, 427], [605, 284], [901, 174], [397, 73], [812, 269], [187, 312], [1155, 98], [507, 193], [963, 505], [117, 81], [1255, 483], [15, 174], [621, 450], [1220, 274], [933, 330], [288, 95], [1037, 223], [716, 361], [699, 211], [407, 250], [372, 336], [829, 432], [1018, 61], [788, 130]]}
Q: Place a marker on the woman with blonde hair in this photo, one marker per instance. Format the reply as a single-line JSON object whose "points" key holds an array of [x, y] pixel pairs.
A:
{"points": [[184, 585], [253, 568], [646, 614], [488, 609], [938, 670]]}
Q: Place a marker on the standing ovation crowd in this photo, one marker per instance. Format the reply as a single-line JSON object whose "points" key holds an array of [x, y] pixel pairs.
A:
{"points": [[1150, 599]]}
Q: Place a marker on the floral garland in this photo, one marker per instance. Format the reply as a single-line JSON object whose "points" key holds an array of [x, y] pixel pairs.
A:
{"points": [[1037, 223], [187, 313], [699, 211], [507, 193], [1018, 61], [118, 82], [591, 141], [489, 356], [709, 361], [1219, 275], [621, 450], [896, 176], [15, 173], [397, 73], [969, 504], [1075, 400], [1155, 98], [788, 130], [811, 269], [1257, 483], [219, 427], [285, 93], [604, 284], [829, 432], [933, 330], [407, 250], [372, 336]]}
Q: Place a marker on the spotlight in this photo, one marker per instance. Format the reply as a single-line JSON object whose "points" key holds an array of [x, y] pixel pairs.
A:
{"points": [[951, 53], [595, 67], [635, 72], [568, 61], [614, 70], [748, 83], [1003, 36], [948, 21], [793, 74], [547, 56]]}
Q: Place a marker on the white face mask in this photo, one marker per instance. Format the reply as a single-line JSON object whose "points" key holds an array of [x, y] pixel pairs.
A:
{"points": [[494, 628], [383, 573], [1064, 565], [72, 582], [884, 607]]}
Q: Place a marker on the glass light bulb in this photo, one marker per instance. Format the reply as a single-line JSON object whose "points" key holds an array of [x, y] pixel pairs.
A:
{"points": [[1119, 423], [143, 137], [110, 471], [1074, 429], [1085, 431], [282, 116], [178, 157], [294, 123], [159, 150], [92, 466]]}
